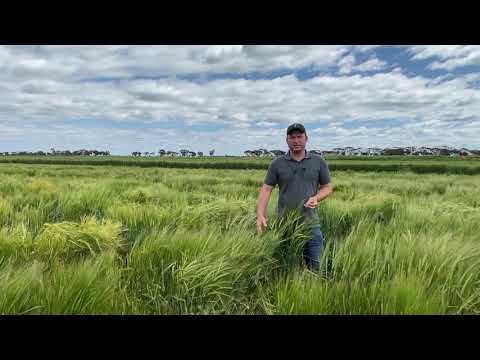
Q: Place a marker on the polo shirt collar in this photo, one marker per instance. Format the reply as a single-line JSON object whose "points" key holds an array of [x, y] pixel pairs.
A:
{"points": [[287, 155]]}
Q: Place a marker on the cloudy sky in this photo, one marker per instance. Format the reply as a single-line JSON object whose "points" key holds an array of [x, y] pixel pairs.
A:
{"points": [[233, 98]]}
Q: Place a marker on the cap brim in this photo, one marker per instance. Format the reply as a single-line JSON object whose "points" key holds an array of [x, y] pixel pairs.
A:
{"points": [[296, 129]]}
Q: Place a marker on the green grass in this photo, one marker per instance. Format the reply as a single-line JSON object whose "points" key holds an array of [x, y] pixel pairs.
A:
{"points": [[416, 164], [68, 241], [133, 240]]}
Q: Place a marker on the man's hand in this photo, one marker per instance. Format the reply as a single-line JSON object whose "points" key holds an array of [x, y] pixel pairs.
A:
{"points": [[261, 223], [311, 202]]}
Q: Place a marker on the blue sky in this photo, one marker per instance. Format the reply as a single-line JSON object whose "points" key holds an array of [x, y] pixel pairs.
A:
{"points": [[235, 98]]}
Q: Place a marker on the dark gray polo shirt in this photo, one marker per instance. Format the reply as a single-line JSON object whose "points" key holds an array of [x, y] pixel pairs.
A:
{"points": [[297, 181]]}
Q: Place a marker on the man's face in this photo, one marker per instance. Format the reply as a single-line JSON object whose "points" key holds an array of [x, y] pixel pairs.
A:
{"points": [[296, 141]]}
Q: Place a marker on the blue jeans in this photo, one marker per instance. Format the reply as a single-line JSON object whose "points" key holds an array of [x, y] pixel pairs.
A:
{"points": [[312, 250]]}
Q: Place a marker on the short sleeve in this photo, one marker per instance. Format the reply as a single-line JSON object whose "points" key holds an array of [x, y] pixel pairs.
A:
{"points": [[272, 175], [324, 173]]}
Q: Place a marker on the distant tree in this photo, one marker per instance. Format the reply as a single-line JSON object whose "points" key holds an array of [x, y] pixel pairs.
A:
{"points": [[200, 153], [394, 151], [192, 153], [264, 152], [184, 152], [278, 152], [161, 152], [445, 151], [212, 152]]}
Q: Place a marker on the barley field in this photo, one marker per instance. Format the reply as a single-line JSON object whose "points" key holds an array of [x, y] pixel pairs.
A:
{"points": [[415, 164], [95, 239]]}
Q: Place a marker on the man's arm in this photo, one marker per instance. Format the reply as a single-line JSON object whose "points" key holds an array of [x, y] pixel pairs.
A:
{"points": [[325, 188], [323, 192], [263, 199]]}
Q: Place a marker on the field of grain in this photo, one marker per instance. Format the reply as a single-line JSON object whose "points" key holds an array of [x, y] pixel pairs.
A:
{"points": [[416, 164], [95, 239]]}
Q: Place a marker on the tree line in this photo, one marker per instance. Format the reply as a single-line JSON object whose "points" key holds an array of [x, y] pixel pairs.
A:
{"points": [[374, 151], [265, 152], [163, 152], [341, 151], [53, 152]]}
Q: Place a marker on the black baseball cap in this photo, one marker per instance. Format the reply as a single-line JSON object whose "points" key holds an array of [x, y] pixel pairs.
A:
{"points": [[296, 127]]}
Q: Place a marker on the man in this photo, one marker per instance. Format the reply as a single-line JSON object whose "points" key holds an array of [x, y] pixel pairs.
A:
{"points": [[304, 181]]}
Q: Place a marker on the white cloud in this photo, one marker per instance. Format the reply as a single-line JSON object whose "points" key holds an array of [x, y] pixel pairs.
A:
{"points": [[451, 56], [80, 61], [266, 124], [372, 64], [347, 65], [366, 48], [47, 105]]}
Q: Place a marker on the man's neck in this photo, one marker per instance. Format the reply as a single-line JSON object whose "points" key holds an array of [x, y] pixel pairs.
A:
{"points": [[298, 156]]}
